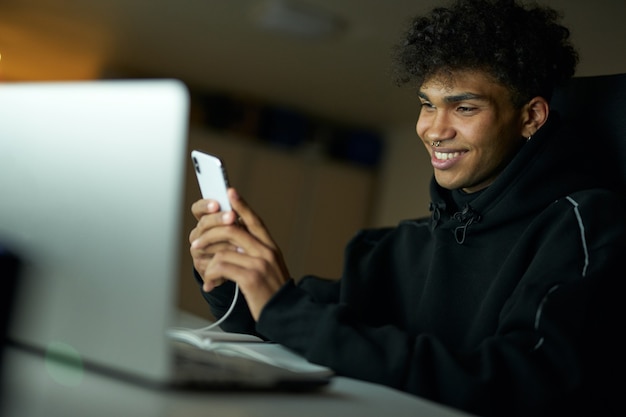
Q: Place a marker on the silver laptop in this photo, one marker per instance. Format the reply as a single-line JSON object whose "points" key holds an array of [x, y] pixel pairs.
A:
{"points": [[91, 189]]}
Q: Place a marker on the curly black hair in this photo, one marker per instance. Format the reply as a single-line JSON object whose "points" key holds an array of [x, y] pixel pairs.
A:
{"points": [[523, 48]]}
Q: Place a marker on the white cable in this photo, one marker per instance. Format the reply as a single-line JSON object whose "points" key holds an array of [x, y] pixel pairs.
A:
{"points": [[225, 316]]}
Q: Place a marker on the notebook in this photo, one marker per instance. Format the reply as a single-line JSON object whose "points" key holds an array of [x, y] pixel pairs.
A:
{"points": [[91, 200]]}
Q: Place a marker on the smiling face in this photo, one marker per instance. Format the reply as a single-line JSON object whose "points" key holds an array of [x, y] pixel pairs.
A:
{"points": [[477, 128]]}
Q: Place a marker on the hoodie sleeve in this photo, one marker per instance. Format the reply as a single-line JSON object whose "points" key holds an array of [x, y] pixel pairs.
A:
{"points": [[240, 320], [554, 344]]}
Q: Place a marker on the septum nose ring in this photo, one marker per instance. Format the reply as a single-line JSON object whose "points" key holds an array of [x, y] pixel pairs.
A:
{"points": [[435, 144]]}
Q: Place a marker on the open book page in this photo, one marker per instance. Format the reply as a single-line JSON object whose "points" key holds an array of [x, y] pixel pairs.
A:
{"points": [[203, 338], [272, 354], [246, 346], [199, 332]]}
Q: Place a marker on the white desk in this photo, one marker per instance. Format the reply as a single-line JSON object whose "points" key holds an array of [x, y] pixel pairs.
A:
{"points": [[29, 391]]}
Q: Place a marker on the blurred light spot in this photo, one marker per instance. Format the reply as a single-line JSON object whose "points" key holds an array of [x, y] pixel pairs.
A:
{"points": [[64, 364]]}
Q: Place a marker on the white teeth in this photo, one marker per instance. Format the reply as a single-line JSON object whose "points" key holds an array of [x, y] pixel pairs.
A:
{"points": [[446, 155]]}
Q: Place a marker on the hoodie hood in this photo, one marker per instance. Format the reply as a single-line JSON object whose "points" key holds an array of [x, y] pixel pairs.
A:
{"points": [[548, 167]]}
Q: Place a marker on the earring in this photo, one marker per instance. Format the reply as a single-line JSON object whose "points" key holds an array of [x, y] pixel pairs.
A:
{"points": [[529, 137]]}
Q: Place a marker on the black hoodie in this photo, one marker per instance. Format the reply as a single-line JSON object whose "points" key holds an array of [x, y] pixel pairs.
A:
{"points": [[501, 303]]}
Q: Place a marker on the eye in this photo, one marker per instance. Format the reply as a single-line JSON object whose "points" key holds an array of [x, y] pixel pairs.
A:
{"points": [[426, 105], [466, 109]]}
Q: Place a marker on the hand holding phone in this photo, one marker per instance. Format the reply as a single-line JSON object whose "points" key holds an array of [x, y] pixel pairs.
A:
{"points": [[213, 183], [212, 178]]}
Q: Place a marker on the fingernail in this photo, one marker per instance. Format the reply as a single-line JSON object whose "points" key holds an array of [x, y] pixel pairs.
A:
{"points": [[194, 243], [212, 206], [226, 217], [240, 250]]}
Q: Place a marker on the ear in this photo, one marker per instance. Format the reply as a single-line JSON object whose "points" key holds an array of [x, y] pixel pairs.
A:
{"points": [[534, 115]]}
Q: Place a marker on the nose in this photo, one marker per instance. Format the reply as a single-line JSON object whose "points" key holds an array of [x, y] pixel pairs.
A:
{"points": [[434, 126]]}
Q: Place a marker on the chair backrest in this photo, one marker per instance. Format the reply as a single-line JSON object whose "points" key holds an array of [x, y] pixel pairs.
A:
{"points": [[595, 108]]}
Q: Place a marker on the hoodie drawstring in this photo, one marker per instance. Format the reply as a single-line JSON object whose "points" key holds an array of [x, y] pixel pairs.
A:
{"points": [[467, 216], [436, 209]]}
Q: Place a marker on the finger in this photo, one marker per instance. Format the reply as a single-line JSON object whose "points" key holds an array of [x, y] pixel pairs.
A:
{"points": [[249, 218], [200, 265], [202, 257], [209, 221], [251, 253], [203, 207], [235, 237], [221, 267], [209, 285], [207, 251], [202, 248], [253, 275], [255, 226], [202, 238]]}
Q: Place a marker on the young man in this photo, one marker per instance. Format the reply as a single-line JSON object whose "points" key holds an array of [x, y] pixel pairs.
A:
{"points": [[491, 305]]}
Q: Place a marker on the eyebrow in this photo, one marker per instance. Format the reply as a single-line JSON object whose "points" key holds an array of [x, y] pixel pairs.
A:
{"points": [[457, 98]]}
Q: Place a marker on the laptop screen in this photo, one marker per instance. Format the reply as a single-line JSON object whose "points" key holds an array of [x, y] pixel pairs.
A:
{"points": [[91, 189]]}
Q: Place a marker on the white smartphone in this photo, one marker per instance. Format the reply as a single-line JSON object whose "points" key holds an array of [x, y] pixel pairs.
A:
{"points": [[212, 178]]}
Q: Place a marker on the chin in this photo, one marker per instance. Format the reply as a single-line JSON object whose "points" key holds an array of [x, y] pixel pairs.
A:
{"points": [[448, 185]]}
